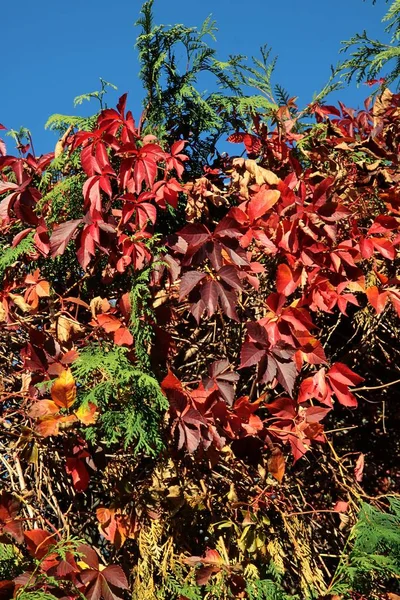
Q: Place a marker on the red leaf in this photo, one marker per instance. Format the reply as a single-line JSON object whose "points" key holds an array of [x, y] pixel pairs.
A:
{"points": [[252, 143], [89, 556], [366, 247], [384, 247], [228, 302], [77, 469], [171, 382], [315, 414], [376, 299], [38, 542], [230, 276], [262, 202], [61, 236], [341, 506], [189, 281], [204, 573], [345, 397], [341, 373], [123, 337], [236, 138], [250, 355], [285, 283], [283, 408], [209, 295], [115, 575], [195, 235], [108, 322]]}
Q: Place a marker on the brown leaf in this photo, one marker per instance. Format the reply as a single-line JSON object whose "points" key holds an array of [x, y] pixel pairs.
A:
{"points": [[43, 408], [26, 379], [60, 145], [67, 328], [382, 103], [276, 464], [246, 172], [99, 305], [20, 303]]}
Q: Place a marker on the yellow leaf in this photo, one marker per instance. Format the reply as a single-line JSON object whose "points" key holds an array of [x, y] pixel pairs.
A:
{"points": [[87, 414], [63, 390]]}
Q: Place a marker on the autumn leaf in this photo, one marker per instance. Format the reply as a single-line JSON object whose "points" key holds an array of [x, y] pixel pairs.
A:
{"points": [[276, 464], [68, 328], [87, 414], [63, 390]]}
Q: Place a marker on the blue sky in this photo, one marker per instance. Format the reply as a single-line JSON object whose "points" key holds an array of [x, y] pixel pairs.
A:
{"points": [[53, 51]]}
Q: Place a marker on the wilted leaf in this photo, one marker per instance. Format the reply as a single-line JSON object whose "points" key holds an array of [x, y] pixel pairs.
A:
{"points": [[68, 328], [20, 303]]}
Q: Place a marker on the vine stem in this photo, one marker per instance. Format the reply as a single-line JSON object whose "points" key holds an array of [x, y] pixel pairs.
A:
{"points": [[375, 387]]}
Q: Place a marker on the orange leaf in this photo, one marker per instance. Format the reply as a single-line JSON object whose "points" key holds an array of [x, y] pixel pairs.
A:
{"points": [[43, 408], [276, 464], [104, 515], [43, 289], [109, 323], [123, 337], [63, 390], [48, 426], [87, 414]]}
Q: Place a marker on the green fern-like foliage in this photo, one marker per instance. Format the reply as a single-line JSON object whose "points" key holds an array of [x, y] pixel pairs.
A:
{"points": [[131, 401], [141, 312], [370, 57], [8, 255], [35, 595], [60, 123], [174, 106], [177, 585], [8, 562], [267, 589], [374, 557]]}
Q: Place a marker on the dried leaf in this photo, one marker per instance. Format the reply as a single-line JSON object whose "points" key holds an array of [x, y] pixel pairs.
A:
{"points": [[67, 328], [20, 303], [276, 464]]}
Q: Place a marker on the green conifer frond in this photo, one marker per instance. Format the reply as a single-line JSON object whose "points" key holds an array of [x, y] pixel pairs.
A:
{"points": [[369, 58], [130, 400], [374, 549], [8, 255], [61, 123]]}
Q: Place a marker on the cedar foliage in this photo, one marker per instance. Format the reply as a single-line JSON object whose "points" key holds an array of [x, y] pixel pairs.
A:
{"points": [[370, 58], [185, 339]]}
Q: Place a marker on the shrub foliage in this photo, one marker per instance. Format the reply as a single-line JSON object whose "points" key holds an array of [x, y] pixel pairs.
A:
{"points": [[199, 360]]}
